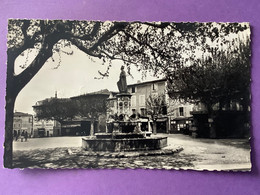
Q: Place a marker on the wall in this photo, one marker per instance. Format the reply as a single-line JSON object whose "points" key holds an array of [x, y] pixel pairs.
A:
{"points": [[23, 123], [142, 92]]}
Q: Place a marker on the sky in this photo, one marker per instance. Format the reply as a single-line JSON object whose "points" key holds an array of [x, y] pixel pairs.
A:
{"points": [[75, 76]]}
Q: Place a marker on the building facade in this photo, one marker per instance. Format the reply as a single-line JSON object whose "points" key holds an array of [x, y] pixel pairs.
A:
{"points": [[231, 120], [176, 118], [179, 116], [46, 128], [22, 122], [140, 91]]}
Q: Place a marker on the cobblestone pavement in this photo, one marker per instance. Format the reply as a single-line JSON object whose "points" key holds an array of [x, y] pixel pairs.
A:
{"points": [[199, 154], [60, 158]]}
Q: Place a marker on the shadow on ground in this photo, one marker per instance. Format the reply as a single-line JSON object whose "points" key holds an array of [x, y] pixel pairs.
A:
{"points": [[60, 158]]}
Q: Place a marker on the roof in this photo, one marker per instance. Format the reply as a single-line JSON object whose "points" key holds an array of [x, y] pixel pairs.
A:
{"points": [[147, 82], [22, 114], [40, 102], [103, 92]]}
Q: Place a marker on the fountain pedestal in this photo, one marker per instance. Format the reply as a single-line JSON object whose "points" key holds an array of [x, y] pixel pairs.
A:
{"points": [[123, 104]]}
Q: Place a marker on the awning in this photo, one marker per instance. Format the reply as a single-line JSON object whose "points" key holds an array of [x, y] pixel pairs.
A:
{"points": [[182, 118], [161, 119], [70, 125]]}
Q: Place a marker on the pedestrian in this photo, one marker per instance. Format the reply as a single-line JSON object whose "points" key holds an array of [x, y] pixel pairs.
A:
{"points": [[22, 136], [25, 136]]}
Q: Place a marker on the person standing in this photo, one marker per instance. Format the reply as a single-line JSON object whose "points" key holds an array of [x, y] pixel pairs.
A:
{"points": [[25, 136], [22, 136]]}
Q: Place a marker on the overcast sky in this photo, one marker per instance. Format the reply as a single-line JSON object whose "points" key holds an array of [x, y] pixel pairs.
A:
{"points": [[74, 76]]}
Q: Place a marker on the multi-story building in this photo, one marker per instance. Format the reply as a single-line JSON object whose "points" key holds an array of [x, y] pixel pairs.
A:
{"points": [[23, 122], [46, 128], [175, 116], [140, 91], [179, 116]]}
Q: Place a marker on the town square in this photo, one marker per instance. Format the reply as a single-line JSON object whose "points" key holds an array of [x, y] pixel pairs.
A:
{"points": [[128, 95]]}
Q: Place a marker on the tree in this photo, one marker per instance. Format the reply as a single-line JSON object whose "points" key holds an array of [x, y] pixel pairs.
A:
{"points": [[220, 77], [156, 105], [47, 37], [150, 46], [91, 106], [56, 109]]}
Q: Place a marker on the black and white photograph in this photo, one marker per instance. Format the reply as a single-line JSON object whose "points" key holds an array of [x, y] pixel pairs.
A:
{"points": [[138, 95]]}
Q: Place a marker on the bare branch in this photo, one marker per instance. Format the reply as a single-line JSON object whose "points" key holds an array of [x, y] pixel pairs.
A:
{"points": [[80, 45]]}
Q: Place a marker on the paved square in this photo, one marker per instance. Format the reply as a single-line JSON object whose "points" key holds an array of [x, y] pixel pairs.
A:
{"points": [[199, 154]]}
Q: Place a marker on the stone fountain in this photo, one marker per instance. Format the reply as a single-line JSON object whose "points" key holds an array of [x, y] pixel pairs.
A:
{"points": [[126, 134]]}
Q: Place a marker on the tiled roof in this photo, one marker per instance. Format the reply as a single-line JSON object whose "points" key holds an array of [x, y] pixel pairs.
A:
{"points": [[146, 82], [100, 92], [21, 114]]}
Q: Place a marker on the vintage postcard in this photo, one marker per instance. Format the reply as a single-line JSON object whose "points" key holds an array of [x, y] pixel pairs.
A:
{"points": [[108, 94]]}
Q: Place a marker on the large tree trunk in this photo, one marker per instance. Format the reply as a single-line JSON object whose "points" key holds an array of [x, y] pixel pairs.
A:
{"points": [[212, 128], [92, 128], [14, 84], [11, 94], [154, 128], [8, 145]]}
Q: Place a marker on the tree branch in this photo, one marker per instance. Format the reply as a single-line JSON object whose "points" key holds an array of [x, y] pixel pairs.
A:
{"points": [[106, 36], [109, 34], [79, 45], [23, 78]]}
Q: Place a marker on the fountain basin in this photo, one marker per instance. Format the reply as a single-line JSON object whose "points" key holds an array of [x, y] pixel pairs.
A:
{"points": [[124, 144], [119, 135]]}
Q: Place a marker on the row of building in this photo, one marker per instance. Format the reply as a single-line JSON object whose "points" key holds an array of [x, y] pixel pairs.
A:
{"points": [[27, 122], [177, 117]]}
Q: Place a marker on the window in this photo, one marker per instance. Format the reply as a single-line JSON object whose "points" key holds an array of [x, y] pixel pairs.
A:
{"points": [[154, 87], [181, 111], [133, 101], [133, 89], [143, 112], [142, 100]]}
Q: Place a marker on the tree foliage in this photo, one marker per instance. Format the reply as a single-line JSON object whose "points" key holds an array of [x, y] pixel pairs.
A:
{"points": [[156, 105], [219, 77], [56, 109], [89, 106]]}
